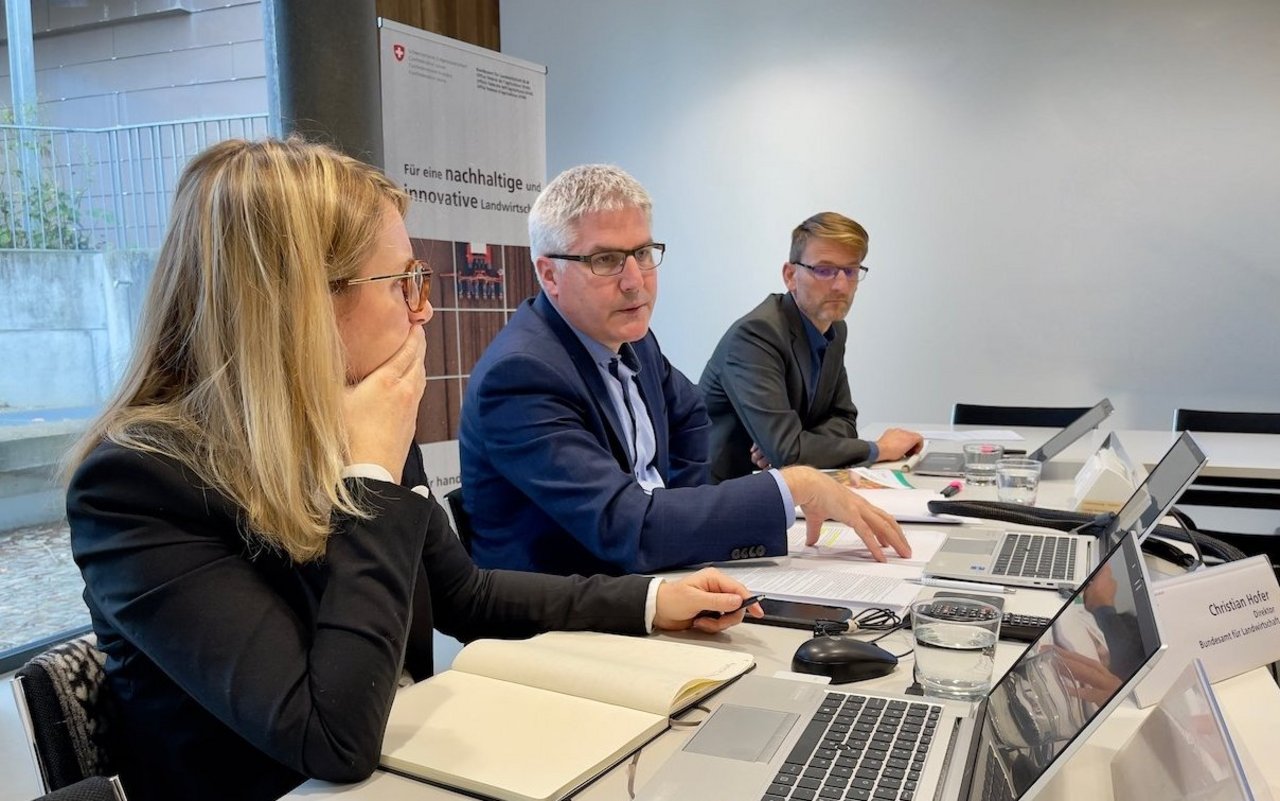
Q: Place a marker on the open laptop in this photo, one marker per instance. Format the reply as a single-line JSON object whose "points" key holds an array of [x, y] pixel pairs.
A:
{"points": [[783, 740], [1042, 558], [951, 464]]}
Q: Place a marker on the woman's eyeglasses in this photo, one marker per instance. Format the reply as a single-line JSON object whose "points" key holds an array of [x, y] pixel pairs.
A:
{"points": [[416, 284]]}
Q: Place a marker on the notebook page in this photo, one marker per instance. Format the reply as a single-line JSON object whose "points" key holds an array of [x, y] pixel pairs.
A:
{"points": [[651, 675]]}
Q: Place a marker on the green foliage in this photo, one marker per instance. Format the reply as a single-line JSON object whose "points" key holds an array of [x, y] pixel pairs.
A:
{"points": [[36, 211]]}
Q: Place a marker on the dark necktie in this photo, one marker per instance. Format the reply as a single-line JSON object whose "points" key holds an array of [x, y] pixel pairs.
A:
{"points": [[626, 401]]}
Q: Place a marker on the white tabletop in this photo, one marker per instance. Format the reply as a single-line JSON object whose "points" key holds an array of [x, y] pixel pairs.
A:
{"points": [[1252, 702]]}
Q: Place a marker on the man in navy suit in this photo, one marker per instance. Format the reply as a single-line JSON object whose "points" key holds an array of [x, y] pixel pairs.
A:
{"points": [[776, 387], [583, 450]]}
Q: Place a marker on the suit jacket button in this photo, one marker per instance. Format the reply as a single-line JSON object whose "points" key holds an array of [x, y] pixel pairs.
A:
{"points": [[736, 553]]}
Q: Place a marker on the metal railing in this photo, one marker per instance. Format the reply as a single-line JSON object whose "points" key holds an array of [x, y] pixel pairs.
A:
{"points": [[95, 188]]}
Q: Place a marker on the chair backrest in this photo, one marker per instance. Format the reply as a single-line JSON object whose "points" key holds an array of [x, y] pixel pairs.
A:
{"points": [[976, 414], [94, 788], [1227, 422], [461, 520], [60, 700]]}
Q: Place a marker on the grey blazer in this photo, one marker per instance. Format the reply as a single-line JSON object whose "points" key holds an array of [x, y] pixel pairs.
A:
{"points": [[754, 386]]}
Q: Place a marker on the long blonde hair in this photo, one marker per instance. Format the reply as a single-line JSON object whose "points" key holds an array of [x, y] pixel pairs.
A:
{"points": [[238, 368]]}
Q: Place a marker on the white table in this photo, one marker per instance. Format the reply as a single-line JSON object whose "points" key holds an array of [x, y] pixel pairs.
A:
{"points": [[1252, 703]]}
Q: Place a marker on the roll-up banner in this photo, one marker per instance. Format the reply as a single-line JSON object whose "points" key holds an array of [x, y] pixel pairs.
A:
{"points": [[464, 132]]}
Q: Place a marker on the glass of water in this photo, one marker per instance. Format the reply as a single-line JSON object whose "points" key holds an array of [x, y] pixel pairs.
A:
{"points": [[955, 646], [980, 463], [1017, 480]]}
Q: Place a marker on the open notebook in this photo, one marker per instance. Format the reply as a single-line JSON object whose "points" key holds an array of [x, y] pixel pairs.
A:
{"points": [[534, 720]]}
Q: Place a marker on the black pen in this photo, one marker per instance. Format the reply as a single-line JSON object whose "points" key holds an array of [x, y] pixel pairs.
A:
{"points": [[754, 599]]}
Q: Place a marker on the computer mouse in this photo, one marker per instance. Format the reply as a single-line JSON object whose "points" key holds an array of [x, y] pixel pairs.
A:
{"points": [[843, 658]]}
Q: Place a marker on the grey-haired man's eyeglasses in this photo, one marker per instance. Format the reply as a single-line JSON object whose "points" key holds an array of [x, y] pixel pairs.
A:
{"points": [[611, 262]]}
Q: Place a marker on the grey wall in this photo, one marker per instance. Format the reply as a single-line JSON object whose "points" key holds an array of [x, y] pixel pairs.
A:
{"points": [[67, 321], [1065, 199], [124, 62]]}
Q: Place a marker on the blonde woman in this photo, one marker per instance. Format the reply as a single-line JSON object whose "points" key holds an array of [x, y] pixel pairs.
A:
{"points": [[261, 559]]}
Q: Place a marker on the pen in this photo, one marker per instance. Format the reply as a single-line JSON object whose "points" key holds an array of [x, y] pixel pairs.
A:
{"points": [[962, 585], [711, 613], [952, 488]]}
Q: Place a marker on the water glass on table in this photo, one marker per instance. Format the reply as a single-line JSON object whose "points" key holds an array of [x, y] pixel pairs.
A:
{"points": [[955, 646], [1017, 480], [980, 463]]}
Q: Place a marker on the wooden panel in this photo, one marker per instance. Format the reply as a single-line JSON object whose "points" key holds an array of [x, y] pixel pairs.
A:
{"points": [[473, 21]]}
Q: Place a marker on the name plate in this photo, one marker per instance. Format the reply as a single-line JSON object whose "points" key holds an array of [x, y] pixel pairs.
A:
{"points": [[1224, 615]]}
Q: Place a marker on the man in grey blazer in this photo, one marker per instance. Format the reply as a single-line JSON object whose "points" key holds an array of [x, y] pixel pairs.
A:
{"points": [[776, 387]]}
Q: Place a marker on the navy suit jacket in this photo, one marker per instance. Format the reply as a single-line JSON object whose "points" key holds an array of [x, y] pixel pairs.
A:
{"points": [[546, 477], [755, 384]]}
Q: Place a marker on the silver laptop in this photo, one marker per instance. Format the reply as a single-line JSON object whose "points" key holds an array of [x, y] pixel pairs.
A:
{"points": [[1039, 558], [782, 740], [951, 464]]}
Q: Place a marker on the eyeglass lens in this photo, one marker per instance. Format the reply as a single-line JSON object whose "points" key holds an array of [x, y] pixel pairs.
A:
{"points": [[417, 286]]}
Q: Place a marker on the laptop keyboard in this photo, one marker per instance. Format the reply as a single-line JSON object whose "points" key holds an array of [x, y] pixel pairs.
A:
{"points": [[1037, 556], [859, 748]]}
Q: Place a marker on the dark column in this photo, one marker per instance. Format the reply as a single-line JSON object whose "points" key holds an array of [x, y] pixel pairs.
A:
{"points": [[322, 73]]}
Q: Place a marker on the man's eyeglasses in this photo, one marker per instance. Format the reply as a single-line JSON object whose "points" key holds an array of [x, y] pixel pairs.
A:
{"points": [[611, 262], [827, 272], [415, 284]]}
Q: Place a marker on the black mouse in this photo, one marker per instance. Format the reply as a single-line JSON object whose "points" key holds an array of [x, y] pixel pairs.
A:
{"points": [[843, 658]]}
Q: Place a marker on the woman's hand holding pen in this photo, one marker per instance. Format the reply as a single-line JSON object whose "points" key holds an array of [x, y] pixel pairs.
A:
{"points": [[681, 601]]}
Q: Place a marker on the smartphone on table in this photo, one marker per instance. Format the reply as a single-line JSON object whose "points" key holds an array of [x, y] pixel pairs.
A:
{"points": [[798, 615]]}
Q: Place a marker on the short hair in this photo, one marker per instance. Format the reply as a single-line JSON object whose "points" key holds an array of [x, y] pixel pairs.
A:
{"points": [[238, 369], [576, 192], [828, 225]]}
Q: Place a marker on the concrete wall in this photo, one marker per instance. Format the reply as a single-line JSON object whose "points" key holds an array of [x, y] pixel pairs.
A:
{"points": [[101, 63], [66, 324]]}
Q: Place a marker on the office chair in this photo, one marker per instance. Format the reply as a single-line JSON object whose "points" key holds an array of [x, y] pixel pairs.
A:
{"points": [[976, 414], [1234, 492], [1227, 422], [461, 520], [60, 702], [94, 788]]}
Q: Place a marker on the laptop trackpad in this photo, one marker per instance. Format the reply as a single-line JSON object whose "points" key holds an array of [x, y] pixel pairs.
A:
{"points": [[962, 545], [744, 733]]}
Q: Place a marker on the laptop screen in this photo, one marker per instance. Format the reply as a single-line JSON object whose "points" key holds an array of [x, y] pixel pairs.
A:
{"points": [[1077, 429], [1096, 644], [1151, 501]]}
